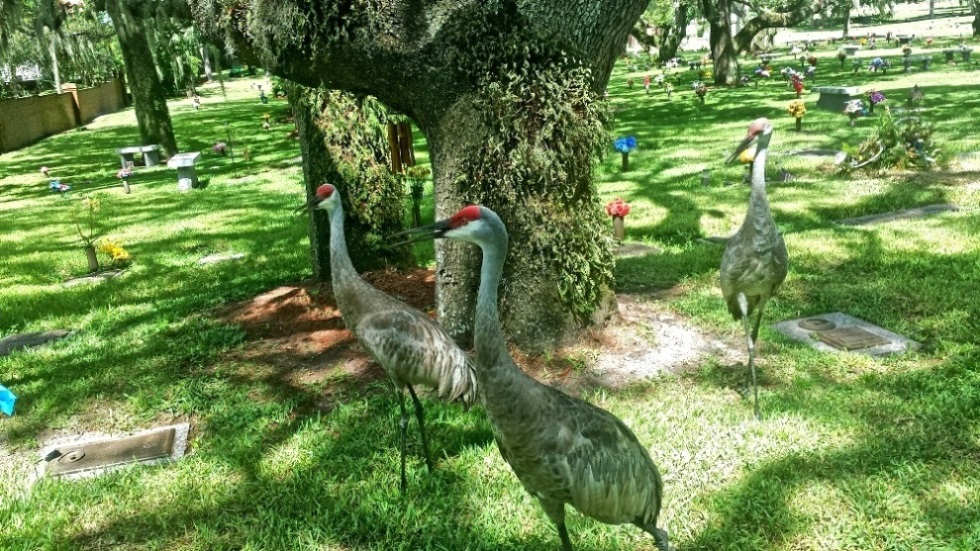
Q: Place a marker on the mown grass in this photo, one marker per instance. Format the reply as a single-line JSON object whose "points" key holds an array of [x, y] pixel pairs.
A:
{"points": [[853, 452]]}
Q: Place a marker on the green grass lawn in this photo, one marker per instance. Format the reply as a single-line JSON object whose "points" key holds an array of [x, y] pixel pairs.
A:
{"points": [[853, 453]]}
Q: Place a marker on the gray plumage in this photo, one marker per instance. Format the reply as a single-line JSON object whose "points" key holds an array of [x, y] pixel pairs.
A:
{"points": [[409, 345], [755, 262], [563, 450]]}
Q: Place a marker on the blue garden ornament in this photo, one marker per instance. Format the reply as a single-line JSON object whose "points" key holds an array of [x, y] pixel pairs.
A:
{"points": [[7, 400], [625, 145]]}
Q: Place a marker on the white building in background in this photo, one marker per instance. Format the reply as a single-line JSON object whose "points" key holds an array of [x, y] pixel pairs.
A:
{"points": [[24, 72]]}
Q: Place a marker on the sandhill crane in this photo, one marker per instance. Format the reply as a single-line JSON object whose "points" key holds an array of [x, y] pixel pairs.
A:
{"points": [[755, 261], [411, 347], [563, 450]]}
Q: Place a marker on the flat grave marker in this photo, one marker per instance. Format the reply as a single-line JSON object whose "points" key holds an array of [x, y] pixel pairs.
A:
{"points": [[29, 340], [917, 212], [839, 332]]}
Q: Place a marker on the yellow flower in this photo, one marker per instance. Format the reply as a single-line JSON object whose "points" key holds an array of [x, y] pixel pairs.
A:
{"points": [[796, 108], [113, 250], [747, 156]]}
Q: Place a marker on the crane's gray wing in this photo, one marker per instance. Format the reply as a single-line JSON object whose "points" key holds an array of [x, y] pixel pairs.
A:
{"points": [[415, 350]]}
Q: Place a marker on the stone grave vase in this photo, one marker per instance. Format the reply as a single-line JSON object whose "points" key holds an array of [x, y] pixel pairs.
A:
{"points": [[619, 228], [93, 259]]}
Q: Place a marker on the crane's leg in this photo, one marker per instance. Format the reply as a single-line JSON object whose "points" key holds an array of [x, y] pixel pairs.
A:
{"points": [[403, 425], [420, 415], [659, 536], [743, 303], [556, 512], [758, 321]]}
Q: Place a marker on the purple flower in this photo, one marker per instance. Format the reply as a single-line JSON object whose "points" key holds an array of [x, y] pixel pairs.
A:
{"points": [[876, 97]]}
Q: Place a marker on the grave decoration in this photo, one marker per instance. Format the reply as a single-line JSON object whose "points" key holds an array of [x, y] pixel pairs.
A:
{"points": [[879, 64], [7, 400], [84, 215], [221, 148], [700, 90], [118, 256], [874, 98], [125, 174], [618, 209], [915, 96], [842, 57], [904, 144], [669, 89], [625, 145], [854, 109], [812, 60], [45, 170], [798, 84], [797, 109], [57, 187], [906, 51]]}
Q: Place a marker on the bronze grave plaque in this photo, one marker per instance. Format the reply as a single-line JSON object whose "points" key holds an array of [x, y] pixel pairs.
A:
{"points": [[109, 453], [850, 338]]}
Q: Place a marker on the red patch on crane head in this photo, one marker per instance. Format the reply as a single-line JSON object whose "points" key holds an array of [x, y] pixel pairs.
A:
{"points": [[757, 126], [465, 216], [325, 191]]}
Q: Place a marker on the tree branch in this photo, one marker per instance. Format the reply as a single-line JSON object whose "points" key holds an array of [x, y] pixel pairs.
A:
{"points": [[770, 19]]}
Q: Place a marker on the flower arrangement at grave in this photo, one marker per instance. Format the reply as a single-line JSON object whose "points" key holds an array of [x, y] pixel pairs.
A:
{"points": [[796, 110], [659, 79], [118, 256], [125, 174], [879, 64], [854, 109], [85, 218], [856, 66], [221, 148], [629, 83], [744, 81], [798, 84], [45, 170], [668, 89], [700, 90], [929, 41], [902, 144], [915, 96], [874, 98], [906, 51], [57, 187], [624, 145], [618, 209], [812, 60], [842, 57]]}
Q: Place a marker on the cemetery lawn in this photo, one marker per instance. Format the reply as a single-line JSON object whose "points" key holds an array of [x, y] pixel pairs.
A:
{"points": [[852, 452]]}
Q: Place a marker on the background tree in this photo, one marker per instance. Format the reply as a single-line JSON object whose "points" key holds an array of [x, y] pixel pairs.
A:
{"points": [[149, 94], [507, 95], [670, 21]]}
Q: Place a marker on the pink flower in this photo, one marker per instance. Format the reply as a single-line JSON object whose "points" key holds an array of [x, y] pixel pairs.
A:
{"points": [[617, 207], [124, 173]]}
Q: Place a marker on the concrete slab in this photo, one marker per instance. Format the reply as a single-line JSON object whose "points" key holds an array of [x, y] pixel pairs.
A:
{"points": [[917, 212], [29, 340], [635, 249], [792, 329], [94, 278], [216, 258]]}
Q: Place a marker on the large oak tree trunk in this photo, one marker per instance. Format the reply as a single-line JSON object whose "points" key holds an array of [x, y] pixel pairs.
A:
{"points": [[473, 76], [149, 100], [720, 40], [675, 34]]}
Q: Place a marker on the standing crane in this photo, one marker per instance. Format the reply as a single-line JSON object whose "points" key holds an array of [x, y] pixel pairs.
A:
{"points": [[411, 347], [563, 450], [755, 262]]}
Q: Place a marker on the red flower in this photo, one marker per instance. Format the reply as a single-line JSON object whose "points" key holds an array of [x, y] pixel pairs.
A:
{"points": [[617, 207]]}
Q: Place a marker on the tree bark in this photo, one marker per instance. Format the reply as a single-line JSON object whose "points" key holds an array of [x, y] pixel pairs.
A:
{"points": [[721, 41], [675, 33], [847, 23], [975, 7], [149, 101], [796, 14], [444, 64], [206, 58]]}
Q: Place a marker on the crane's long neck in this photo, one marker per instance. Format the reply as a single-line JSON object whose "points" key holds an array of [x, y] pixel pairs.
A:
{"points": [[341, 269], [758, 202], [488, 332]]}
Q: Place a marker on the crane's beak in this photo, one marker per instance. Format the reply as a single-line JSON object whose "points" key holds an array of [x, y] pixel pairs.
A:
{"points": [[422, 233], [309, 205], [741, 147]]}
